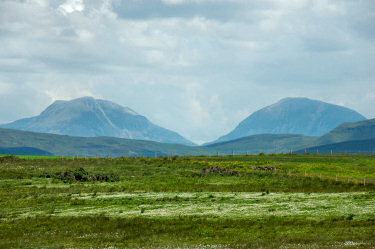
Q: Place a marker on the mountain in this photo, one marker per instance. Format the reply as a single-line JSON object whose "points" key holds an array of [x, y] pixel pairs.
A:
{"points": [[89, 117], [350, 131], [90, 146], [33, 143], [266, 143], [30, 151], [366, 146], [294, 116]]}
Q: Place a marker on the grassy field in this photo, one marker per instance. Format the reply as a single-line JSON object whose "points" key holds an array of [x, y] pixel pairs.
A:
{"points": [[264, 201]]}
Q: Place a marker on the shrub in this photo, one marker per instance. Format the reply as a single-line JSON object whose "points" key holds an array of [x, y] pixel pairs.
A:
{"points": [[81, 175]]}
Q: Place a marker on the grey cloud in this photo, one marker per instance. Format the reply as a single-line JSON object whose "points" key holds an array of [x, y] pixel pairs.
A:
{"points": [[222, 10], [197, 67]]}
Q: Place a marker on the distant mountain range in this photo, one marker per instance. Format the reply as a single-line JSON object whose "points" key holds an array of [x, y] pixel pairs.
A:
{"points": [[294, 116], [353, 137], [89, 117], [88, 126]]}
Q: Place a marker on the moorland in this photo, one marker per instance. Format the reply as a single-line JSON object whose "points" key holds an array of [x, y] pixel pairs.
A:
{"points": [[254, 201]]}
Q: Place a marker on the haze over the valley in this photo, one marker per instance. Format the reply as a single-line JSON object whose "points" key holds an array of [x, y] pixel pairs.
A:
{"points": [[196, 67]]}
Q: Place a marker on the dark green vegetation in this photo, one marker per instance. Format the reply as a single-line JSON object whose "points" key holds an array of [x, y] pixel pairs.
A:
{"points": [[16, 142], [269, 201]]}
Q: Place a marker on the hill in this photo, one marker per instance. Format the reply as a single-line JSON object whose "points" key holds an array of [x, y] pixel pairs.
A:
{"points": [[91, 146], [266, 143], [366, 146], [294, 116], [24, 151], [16, 142], [350, 131], [89, 117]]}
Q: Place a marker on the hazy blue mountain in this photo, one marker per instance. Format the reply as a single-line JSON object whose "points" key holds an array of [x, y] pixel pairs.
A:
{"points": [[350, 131], [89, 117], [294, 116]]}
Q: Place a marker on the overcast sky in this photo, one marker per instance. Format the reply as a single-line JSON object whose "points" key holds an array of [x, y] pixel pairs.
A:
{"points": [[194, 66]]}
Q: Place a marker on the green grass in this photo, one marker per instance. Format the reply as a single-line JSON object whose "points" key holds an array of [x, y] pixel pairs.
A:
{"points": [[173, 202]]}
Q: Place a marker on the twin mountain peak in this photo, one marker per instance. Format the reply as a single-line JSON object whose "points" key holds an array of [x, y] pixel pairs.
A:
{"points": [[89, 117]]}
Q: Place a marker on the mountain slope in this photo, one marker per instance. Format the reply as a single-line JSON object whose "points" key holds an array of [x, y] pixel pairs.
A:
{"points": [[30, 151], [91, 146], [294, 116], [89, 117], [350, 131], [366, 146], [266, 143]]}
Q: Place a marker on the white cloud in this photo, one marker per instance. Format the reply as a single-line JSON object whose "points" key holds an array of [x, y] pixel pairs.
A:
{"points": [[71, 6]]}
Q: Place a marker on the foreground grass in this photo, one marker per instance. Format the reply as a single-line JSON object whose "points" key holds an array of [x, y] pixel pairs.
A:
{"points": [[177, 202], [186, 232]]}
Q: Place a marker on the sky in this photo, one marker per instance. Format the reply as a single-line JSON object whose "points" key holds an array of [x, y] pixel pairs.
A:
{"points": [[197, 67]]}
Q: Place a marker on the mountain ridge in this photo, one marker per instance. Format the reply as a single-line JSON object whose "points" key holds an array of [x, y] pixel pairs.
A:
{"points": [[293, 116], [89, 117], [16, 140]]}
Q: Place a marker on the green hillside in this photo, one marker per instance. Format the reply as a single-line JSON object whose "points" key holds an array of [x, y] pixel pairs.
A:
{"points": [[350, 131], [102, 146], [24, 151], [266, 143], [366, 146], [92, 146]]}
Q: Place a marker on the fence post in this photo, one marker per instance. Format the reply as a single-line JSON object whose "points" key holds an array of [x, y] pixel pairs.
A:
{"points": [[156, 154], [364, 181], [232, 152], [247, 153], [336, 177], [217, 153], [331, 152]]}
